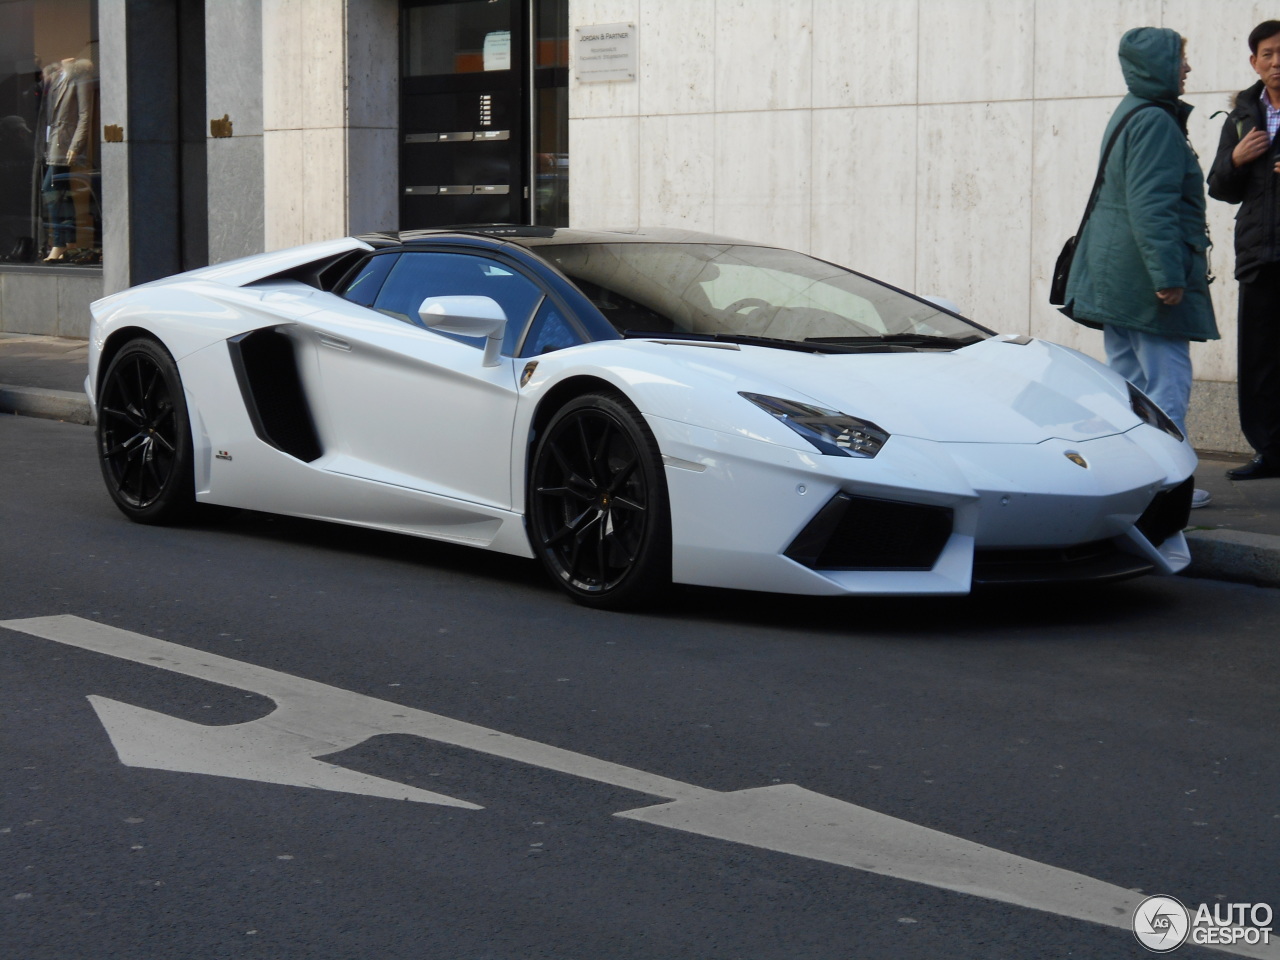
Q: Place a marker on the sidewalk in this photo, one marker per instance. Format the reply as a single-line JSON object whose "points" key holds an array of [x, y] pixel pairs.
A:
{"points": [[1236, 537]]}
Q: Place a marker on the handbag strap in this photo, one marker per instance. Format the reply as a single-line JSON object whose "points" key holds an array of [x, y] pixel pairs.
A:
{"points": [[1102, 165]]}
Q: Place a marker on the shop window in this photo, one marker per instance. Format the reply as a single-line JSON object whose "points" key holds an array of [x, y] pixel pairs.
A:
{"points": [[471, 36], [50, 180]]}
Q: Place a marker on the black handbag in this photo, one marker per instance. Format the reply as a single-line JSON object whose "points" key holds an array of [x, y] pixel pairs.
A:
{"points": [[1062, 267]]}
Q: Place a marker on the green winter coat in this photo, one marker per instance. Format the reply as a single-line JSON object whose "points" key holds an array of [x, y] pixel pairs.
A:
{"points": [[1147, 231]]}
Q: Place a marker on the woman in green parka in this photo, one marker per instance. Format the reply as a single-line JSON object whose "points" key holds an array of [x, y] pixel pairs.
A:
{"points": [[1140, 271]]}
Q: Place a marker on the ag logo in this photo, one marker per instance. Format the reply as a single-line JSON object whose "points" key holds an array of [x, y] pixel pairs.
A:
{"points": [[1161, 924]]}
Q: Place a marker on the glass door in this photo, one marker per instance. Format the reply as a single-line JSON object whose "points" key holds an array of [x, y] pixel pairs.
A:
{"points": [[464, 117]]}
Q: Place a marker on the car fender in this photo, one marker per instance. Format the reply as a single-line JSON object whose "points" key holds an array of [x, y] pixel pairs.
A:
{"points": [[189, 317], [678, 382]]}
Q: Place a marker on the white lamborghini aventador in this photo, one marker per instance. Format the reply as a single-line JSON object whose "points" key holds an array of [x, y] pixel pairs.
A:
{"points": [[634, 409]]}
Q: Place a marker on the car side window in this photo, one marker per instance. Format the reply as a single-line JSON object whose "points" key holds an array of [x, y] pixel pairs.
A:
{"points": [[417, 276], [551, 330], [366, 284]]}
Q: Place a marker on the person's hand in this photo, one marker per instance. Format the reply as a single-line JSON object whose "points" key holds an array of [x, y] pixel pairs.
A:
{"points": [[1171, 296], [1254, 145], [71, 156]]}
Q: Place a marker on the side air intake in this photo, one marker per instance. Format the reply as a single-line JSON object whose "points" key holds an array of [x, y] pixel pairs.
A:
{"points": [[267, 372]]}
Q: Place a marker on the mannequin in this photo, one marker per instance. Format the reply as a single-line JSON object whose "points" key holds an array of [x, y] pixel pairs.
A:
{"points": [[68, 112]]}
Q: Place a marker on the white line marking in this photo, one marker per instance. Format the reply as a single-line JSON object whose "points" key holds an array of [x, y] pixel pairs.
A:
{"points": [[314, 719], [311, 720]]}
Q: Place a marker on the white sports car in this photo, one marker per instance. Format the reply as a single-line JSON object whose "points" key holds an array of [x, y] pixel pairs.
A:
{"points": [[634, 409]]}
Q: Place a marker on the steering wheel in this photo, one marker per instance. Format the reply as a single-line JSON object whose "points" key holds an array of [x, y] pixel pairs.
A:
{"points": [[754, 303]]}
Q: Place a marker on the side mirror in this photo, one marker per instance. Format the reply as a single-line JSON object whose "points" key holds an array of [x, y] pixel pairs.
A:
{"points": [[467, 317]]}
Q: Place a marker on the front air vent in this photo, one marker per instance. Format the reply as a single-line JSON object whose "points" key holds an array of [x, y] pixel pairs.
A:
{"points": [[864, 533], [1168, 513]]}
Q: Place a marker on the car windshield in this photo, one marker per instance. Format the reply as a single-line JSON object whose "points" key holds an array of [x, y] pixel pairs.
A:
{"points": [[746, 293]]}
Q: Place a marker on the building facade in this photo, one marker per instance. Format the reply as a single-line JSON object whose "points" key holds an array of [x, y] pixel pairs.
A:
{"points": [[946, 146]]}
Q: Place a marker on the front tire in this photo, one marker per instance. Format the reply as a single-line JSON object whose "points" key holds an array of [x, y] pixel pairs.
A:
{"points": [[599, 518], [144, 438]]}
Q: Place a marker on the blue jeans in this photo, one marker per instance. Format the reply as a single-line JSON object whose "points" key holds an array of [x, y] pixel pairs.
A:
{"points": [[59, 207], [1158, 366]]}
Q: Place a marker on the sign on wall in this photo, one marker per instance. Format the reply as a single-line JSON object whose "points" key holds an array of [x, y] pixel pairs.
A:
{"points": [[604, 52]]}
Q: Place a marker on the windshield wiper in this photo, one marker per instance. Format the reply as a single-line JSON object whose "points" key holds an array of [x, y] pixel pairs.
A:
{"points": [[919, 339], [746, 339], [889, 343]]}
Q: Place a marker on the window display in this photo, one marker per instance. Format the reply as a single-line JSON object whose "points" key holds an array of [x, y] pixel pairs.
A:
{"points": [[50, 181]]}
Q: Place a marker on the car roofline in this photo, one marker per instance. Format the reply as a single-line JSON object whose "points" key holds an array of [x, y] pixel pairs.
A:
{"points": [[535, 236]]}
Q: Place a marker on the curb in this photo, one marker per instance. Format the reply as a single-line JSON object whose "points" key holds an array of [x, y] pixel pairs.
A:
{"points": [[67, 405], [1233, 555]]}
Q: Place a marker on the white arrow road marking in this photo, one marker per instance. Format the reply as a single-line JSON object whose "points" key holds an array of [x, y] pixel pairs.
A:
{"points": [[313, 719], [263, 750]]}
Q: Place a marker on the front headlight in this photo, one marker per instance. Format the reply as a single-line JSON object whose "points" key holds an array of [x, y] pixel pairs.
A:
{"points": [[1151, 414], [832, 432]]}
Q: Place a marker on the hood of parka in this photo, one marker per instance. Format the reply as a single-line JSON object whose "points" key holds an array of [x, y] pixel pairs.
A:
{"points": [[1151, 59]]}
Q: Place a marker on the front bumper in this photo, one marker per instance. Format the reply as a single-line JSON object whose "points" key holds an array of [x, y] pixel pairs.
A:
{"points": [[923, 517]]}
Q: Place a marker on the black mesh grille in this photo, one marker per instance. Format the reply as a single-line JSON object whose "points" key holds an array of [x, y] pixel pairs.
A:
{"points": [[862, 533], [1168, 513], [1099, 561]]}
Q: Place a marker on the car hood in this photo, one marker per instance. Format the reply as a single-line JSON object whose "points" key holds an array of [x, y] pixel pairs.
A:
{"points": [[996, 391]]}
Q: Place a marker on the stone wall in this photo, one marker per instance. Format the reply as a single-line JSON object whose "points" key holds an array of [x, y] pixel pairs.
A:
{"points": [[946, 146]]}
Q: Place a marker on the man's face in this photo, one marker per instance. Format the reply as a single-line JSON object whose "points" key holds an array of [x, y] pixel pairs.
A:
{"points": [[1266, 62], [1182, 76]]}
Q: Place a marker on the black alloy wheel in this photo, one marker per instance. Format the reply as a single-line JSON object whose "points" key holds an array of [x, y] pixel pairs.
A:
{"points": [[599, 518], [144, 440]]}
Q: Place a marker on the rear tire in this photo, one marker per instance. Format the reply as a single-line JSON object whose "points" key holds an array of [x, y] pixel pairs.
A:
{"points": [[598, 514], [144, 437]]}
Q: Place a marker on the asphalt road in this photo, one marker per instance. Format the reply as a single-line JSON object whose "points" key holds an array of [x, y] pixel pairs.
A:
{"points": [[1128, 734]]}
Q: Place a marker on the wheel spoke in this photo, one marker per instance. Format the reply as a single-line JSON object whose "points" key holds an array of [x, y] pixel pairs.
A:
{"points": [[622, 475], [599, 463], [124, 415], [123, 484], [141, 394], [602, 565], [628, 504], [560, 492], [575, 549], [570, 528], [154, 474], [571, 475], [155, 379], [115, 451], [163, 441], [580, 423], [630, 555]]}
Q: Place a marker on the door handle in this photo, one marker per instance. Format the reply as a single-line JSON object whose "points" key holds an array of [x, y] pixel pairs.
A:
{"points": [[335, 342]]}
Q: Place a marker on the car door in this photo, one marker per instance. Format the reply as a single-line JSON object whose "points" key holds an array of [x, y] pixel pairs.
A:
{"points": [[406, 405]]}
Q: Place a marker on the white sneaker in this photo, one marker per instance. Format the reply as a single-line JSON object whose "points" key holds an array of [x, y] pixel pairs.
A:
{"points": [[1200, 498]]}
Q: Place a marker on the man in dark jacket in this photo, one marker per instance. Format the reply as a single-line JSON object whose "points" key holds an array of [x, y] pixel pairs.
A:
{"points": [[1246, 170]]}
